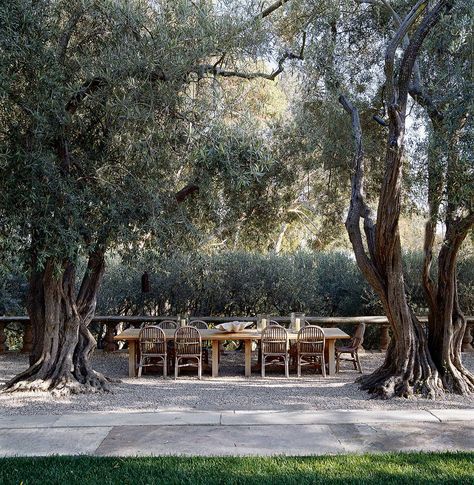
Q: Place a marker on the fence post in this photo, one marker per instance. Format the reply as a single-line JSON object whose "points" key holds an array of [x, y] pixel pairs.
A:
{"points": [[3, 338], [384, 337], [27, 339], [110, 345], [467, 340]]}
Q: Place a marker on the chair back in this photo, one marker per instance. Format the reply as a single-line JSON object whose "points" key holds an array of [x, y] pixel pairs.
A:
{"points": [[168, 325], [274, 340], [187, 341], [152, 340], [311, 340], [200, 324], [273, 323], [358, 338]]}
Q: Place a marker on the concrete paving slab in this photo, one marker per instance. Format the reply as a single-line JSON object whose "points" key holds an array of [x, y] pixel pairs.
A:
{"points": [[164, 418], [219, 441], [454, 414], [18, 422], [343, 416], [405, 437], [56, 441]]}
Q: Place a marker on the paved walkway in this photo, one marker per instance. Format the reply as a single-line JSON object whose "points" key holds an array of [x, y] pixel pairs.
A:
{"points": [[237, 432]]}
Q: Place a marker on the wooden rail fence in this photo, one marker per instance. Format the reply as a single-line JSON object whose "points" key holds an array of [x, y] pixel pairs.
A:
{"points": [[112, 321]]}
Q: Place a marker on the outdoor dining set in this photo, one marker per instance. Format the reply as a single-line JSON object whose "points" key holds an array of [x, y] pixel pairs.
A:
{"points": [[169, 345]]}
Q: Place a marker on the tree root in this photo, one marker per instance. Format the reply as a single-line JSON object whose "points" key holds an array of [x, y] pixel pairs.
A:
{"points": [[384, 384], [63, 385]]}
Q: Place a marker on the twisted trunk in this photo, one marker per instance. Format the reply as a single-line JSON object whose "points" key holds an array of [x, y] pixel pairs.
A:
{"points": [[63, 344], [447, 323], [408, 366]]}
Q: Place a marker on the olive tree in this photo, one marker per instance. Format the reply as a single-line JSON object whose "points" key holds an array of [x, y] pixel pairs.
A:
{"points": [[94, 135], [415, 361]]}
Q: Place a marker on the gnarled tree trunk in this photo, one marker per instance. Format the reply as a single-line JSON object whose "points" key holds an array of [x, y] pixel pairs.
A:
{"points": [[63, 343], [408, 366], [447, 323]]}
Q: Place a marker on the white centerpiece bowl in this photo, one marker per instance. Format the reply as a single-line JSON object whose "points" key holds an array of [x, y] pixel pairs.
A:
{"points": [[233, 326]]}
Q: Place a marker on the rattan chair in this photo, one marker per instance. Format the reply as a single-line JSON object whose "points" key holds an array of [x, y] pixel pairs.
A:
{"points": [[273, 323], [199, 324], [275, 346], [206, 345], [168, 325], [152, 344], [310, 348], [188, 347], [352, 349]]}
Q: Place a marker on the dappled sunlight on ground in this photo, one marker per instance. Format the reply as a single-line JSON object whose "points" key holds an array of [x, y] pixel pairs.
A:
{"points": [[231, 390]]}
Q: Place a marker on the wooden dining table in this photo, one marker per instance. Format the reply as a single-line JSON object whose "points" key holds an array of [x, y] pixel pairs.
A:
{"points": [[130, 335]]}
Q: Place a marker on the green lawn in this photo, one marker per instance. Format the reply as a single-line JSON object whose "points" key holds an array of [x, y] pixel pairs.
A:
{"points": [[412, 468]]}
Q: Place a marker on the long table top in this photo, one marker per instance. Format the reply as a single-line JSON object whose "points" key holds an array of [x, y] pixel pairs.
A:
{"points": [[131, 334]]}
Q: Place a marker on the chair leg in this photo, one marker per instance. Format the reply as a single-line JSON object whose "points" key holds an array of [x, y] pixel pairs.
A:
{"points": [[140, 367], [199, 368], [299, 366], [323, 366], [165, 366], [176, 367], [354, 361], [287, 366], [263, 365], [358, 362]]}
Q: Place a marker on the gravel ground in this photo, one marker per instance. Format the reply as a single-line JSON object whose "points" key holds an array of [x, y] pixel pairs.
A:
{"points": [[230, 391]]}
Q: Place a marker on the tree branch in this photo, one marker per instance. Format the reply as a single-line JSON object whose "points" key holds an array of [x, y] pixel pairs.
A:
{"points": [[66, 36], [87, 88], [402, 31], [269, 10], [215, 70], [415, 89], [411, 52], [358, 207], [185, 192]]}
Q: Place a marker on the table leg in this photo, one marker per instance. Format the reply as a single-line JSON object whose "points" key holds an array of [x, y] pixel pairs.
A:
{"points": [[248, 358], [332, 357], [215, 358], [132, 358]]}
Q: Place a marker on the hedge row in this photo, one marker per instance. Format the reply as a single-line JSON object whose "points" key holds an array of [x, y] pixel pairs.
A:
{"points": [[238, 283]]}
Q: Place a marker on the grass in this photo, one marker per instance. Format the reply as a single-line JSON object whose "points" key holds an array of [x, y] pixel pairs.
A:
{"points": [[410, 468]]}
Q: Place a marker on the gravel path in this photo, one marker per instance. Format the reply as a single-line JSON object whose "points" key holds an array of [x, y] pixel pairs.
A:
{"points": [[230, 391]]}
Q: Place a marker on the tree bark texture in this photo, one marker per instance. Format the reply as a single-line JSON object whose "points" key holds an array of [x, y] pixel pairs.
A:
{"points": [[408, 367], [63, 344], [446, 321]]}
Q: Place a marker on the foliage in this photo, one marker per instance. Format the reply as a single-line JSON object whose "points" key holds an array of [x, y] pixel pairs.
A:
{"points": [[241, 283], [388, 468], [101, 104]]}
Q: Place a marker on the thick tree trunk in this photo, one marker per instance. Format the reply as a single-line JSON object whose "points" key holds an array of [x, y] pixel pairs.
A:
{"points": [[408, 366], [63, 343], [447, 323]]}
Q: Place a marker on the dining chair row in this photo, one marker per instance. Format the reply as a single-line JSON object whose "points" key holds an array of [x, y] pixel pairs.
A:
{"points": [[309, 347], [187, 347]]}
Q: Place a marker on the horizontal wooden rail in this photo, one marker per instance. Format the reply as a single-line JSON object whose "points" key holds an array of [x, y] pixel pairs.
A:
{"points": [[111, 322], [368, 319]]}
